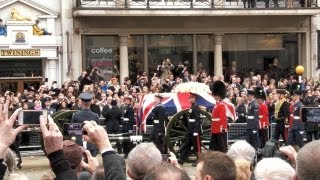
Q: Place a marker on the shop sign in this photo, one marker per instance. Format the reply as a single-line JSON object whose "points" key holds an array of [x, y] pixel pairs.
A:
{"points": [[20, 52]]}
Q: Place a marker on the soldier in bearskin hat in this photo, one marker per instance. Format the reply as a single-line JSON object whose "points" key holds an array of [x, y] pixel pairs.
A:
{"points": [[281, 115], [296, 129], [218, 140], [252, 120], [260, 95]]}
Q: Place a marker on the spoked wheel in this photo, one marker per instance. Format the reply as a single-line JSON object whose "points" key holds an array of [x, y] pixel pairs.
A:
{"points": [[177, 131]]}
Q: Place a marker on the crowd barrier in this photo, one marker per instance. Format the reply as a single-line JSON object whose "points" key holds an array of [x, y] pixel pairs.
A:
{"points": [[237, 131]]}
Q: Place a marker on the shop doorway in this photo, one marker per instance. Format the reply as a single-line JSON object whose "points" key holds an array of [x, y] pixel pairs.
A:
{"points": [[19, 74]]}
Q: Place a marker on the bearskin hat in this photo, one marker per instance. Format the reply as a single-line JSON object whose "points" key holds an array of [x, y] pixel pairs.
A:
{"points": [[259, 93], [218, 88], [296, 89]]}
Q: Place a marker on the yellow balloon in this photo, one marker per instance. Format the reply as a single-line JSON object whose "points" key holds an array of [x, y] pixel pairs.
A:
{"points": [[299, 70]]}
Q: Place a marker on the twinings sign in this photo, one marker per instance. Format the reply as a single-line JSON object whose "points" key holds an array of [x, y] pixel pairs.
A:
{"points": [[20, 52]]}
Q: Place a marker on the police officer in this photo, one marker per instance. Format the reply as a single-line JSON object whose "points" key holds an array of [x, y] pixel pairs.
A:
{"points": [[296, 128], [127, 124], [252, 136], [281, 115], [194, 129], [113, 120], [47, 105], [158, 117], [218, 140], [260, 95], [85, 115]]}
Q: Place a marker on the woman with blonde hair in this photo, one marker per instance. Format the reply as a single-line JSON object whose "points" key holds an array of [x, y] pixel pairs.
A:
{"points": [[243, 169]]}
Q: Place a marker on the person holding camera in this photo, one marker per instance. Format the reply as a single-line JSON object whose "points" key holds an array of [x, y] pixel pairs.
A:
{"points": [[281, 115], [252, 136], [95, 76], [219, 128], [296, 129]]}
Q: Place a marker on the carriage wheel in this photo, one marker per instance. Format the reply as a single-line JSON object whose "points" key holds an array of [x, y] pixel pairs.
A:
{"points": [[177, 131]]}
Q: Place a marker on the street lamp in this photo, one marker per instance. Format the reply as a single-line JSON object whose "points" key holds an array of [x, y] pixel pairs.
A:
{"points": [[300, 71]]}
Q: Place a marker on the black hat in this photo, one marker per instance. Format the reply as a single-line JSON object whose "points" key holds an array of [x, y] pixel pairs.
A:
{"points": [[193, 94], [281, 91], [86, 97], [114, 102], [31, 88], [218, 88], [250, 92], [158, 96], [111, 88], [259, 93], [296, 89]]}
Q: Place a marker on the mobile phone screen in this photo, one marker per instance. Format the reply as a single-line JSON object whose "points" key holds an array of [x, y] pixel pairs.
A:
{"points": [[31, 117]]}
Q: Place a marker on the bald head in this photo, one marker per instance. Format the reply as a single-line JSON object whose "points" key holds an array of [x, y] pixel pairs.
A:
{"points": [[308, 161]]}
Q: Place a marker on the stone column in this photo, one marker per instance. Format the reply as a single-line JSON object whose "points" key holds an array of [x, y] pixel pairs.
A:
{"points": [[218, 69], [315, 26], [195, 57], [68, 62], [145, 54], [124, 63], [52, 70]]}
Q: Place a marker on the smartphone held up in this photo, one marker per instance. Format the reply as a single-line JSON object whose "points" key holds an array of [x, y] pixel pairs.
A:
{"points": [[31, 117]]}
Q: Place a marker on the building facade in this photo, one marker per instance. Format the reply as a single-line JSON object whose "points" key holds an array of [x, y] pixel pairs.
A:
{"points": [[133, 36], [30, 56]]}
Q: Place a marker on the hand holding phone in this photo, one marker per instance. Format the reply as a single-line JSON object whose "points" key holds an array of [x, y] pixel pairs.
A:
{"points": [[31, 117]]}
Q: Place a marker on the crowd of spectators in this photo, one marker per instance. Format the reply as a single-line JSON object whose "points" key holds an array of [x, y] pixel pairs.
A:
{"points": [[238, 163]]}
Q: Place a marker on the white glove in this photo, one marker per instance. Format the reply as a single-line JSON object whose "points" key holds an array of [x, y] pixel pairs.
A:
{"points": [[301, 132], [195, 134], [254, 132]]}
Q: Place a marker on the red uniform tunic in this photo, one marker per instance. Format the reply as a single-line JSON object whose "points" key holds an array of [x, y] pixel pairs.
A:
{"points": [[263, 115], [291, 109], [219, 118]]}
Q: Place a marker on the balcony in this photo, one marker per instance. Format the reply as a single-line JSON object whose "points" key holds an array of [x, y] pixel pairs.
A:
{"points": [[190, 4]]}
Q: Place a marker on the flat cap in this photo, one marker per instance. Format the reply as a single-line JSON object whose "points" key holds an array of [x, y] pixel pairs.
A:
{"points": [[86, 97]]}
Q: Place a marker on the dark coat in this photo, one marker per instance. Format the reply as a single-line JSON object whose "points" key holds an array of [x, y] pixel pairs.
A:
{"points": [[194, 119], [80, 117], [241, 113], [158, 117], [297, 124], [253, 116], [113, 119], [128, 119]]}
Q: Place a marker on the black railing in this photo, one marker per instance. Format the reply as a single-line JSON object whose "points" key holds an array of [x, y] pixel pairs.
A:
{"points": [[200, 4]]}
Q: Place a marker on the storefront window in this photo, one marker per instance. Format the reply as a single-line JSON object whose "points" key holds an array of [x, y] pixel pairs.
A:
{"points": [[135, 56], [177, 48], [102, 52], [257, 52]]}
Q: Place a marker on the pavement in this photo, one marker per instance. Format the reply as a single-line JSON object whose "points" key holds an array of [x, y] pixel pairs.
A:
{"points": [[36, 164]]}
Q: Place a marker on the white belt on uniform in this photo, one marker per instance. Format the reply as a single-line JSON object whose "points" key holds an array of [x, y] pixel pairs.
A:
{"points": [[192, 120], [215, 119], [250, 117], [156, 121], [296, 117], [125, 119]]}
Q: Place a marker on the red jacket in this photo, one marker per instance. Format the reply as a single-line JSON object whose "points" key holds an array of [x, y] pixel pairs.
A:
{"points": [[263, 115], [291, 109], [219, 118]]}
